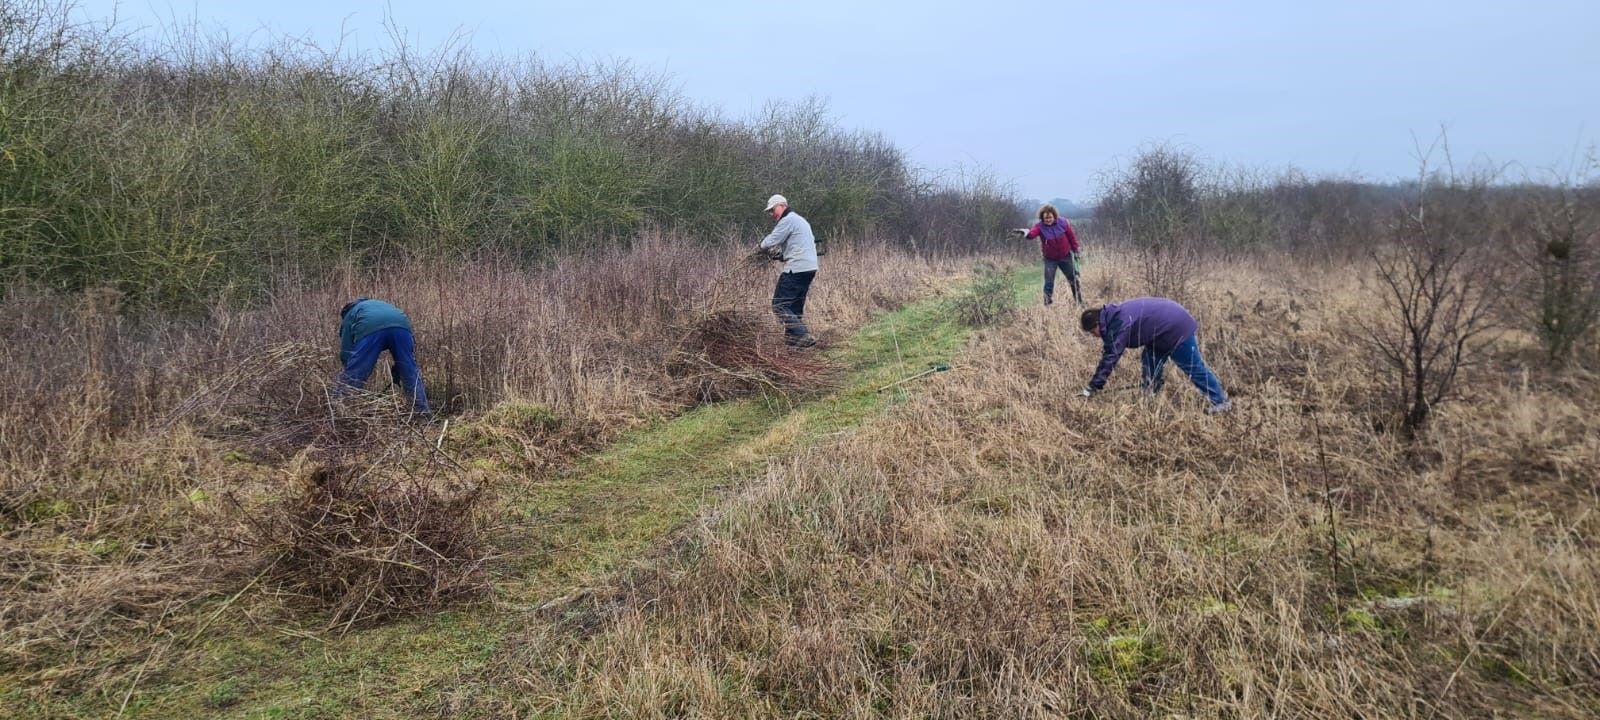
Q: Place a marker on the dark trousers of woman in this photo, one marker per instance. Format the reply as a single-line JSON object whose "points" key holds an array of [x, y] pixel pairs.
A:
{"points": [[789, 303], [1068, 269]]}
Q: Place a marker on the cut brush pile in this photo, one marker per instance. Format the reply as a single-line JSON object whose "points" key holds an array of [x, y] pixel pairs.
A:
{"points": [[365, 547], [732, 353]]}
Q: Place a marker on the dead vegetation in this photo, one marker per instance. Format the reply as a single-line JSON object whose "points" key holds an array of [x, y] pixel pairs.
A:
{"points": [[997, 548], [143, 460], [727, 354], [993, 547], [363, 547]]}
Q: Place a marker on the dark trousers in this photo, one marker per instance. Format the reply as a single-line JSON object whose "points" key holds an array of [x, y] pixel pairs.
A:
{"points": [[789, 302], [1068, 269], [406, 374], [1153, 363]]}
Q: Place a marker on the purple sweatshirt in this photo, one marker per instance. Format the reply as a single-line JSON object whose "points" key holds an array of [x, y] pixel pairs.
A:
{"points": [[1057, 241], [1158, 323]]}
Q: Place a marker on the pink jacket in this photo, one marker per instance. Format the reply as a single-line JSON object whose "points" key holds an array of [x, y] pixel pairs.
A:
{"points": [[1057, 241]]}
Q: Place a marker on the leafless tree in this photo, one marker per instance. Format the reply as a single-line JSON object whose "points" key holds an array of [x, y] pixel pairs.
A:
{"points": [[1437, 287]]}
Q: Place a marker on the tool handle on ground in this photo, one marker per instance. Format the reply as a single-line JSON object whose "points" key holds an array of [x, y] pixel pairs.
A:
{"points": [[941, 367]]}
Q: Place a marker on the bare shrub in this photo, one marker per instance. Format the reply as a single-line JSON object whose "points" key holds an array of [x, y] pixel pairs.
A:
{"points": [[1436, 288], [1157, 197], [1171, 268], [1155, 207], [365, 547], [991, 299], [958, 212]]}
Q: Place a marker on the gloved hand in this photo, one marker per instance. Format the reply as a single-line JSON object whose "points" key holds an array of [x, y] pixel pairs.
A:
{"points": [[1018, 232]]}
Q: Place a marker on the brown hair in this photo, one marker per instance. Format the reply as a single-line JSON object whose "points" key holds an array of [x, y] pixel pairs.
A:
{"points": [[1048, 208]]}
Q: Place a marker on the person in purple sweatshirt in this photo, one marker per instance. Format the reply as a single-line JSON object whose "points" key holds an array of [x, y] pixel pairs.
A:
{"points": [[1165, 330], [1060, 247]]}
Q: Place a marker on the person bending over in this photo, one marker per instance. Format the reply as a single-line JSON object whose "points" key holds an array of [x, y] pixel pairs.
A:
{"points": [[367, 328], [1166, 331]]}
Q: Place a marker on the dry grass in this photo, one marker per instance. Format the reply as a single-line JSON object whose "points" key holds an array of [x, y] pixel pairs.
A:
{"points": [[993, 547], [998, 548], [129, 445]]}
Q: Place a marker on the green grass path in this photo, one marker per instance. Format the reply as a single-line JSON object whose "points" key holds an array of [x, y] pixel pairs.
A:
{"points": [[582, 524]]}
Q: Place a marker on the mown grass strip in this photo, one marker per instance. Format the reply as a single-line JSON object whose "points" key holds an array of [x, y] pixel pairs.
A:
{"points": [[593, 519]]}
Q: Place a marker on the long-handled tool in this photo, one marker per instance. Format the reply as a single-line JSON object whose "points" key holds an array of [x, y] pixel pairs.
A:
{"points": [[936, 368]]}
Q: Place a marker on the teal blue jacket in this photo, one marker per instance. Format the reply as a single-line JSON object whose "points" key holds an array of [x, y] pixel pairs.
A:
{"points": [[364, 317]]}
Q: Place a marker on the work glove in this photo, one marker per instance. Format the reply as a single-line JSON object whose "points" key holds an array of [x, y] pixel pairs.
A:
{"points": [[758, 258], [1019, 232]]}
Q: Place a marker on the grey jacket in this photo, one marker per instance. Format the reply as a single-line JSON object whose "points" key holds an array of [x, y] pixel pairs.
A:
{"points": [[793, 234]]}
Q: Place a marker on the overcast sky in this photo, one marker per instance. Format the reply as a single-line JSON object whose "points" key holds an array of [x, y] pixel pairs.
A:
{"points": [[1048, 94]]}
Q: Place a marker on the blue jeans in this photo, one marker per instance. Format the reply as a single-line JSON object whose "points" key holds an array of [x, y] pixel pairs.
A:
{"points": [[364, 360], [1153, 363], [1068, 269], [789, 302]]}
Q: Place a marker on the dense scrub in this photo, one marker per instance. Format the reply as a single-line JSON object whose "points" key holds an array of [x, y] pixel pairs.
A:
{"points": [[199, 168], [1472, 242]]}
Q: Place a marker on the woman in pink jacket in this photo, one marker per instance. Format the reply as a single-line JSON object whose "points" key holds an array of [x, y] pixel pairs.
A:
{"points": [[1060, 247]]}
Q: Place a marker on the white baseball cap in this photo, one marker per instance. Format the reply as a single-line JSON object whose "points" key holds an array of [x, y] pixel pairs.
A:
{"points": [[776, 200]]}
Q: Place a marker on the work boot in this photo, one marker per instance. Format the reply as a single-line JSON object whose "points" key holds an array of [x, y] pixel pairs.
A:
{"points": [[805, 341], [1048, 300], [1220, 408]]}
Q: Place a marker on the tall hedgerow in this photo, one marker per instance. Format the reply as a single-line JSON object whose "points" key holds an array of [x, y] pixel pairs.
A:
{"points": [[181, 171]]}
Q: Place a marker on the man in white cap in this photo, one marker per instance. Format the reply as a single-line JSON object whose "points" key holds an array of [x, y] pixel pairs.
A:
{"points": [[792, 240]]}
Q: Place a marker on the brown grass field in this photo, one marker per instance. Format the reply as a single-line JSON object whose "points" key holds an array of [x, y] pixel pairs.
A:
{"points": [[982, 544]]}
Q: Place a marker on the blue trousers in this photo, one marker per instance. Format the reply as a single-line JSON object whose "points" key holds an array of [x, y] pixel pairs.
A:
{"points": [[789, 302], [359, 366], [1153, 363]]}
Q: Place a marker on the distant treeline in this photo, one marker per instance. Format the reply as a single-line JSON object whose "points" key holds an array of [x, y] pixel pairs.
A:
{"points": [[1168, 194], [198, 167], [1450, 250]]}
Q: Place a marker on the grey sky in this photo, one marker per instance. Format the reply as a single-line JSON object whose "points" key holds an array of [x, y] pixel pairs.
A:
{"points": [[1047, 94]]}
